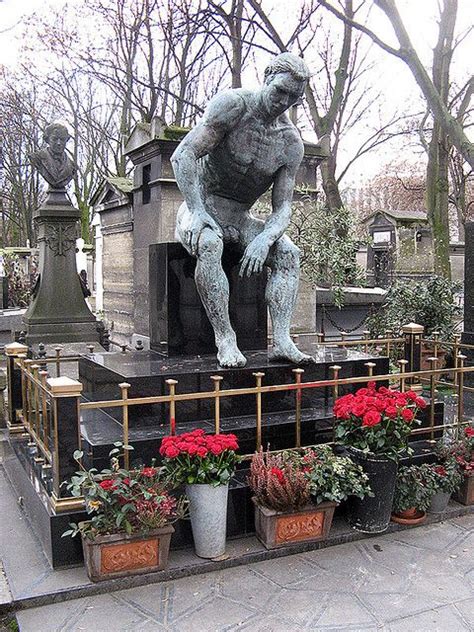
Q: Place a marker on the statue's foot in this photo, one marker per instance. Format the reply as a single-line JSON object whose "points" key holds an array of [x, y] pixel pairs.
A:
{"points": [[228, 354], [287, 350]]}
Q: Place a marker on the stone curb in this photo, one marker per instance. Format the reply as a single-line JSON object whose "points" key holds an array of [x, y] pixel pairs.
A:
{"points": [[205, 566]]}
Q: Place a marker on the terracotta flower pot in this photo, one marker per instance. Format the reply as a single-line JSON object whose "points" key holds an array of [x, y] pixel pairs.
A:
{"points": [[410, 516], [465, 494], [280, 528], [120, 555]]}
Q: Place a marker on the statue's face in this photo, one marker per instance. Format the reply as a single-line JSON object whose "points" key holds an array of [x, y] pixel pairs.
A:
{"points": [[281, 92], [57, 142]]}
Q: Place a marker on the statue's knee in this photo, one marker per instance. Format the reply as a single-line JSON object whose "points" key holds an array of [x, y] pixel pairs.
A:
{"points": [[288, 253], [210, 243]]}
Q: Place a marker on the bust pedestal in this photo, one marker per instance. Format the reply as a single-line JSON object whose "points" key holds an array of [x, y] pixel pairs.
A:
{"points": [[58, 311]]}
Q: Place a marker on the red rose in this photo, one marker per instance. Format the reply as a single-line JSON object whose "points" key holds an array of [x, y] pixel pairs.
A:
{"points": [[391, 412], [201, 451], [407, 414], [171, 452], [420, 402], [371, 385], [371, 418], [380, 405], [107, 484], [359, 408], [149, 472], [411, 395]]}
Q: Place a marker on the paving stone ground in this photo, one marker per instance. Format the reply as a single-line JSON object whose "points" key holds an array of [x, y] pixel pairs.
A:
{"points": [[415, 580]]}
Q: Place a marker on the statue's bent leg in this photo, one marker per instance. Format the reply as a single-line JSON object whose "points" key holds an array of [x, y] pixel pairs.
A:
{"points": [[281, 293], [213, 288]]}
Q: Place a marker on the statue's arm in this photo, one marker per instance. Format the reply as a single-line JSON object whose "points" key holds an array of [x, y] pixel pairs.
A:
{"points": [[257, 251], [221, 116]]}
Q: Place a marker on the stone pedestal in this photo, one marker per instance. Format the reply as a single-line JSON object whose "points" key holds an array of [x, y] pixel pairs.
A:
{"points": [[178, 322], [58, 311]]}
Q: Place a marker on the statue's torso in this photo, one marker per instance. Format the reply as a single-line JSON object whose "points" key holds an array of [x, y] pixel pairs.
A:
{"points": [[244, 164]]}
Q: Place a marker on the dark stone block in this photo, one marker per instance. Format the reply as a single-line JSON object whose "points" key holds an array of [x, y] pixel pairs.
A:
{"points": [[178, 321]]}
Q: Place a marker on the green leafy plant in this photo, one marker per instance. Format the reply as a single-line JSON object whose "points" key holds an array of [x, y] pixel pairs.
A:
{"points": [[334, 477], [376, 420], [289, 480], [194, 457], [430, 303], [121, 500], [460, 450], [413, 489], [445, 478]]}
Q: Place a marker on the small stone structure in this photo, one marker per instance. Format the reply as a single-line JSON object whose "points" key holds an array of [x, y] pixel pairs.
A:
{"points": [[401, 246]]}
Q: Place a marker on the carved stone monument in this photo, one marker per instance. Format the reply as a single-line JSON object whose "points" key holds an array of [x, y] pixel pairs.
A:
{"points": [[244, 144], [58, 311]]}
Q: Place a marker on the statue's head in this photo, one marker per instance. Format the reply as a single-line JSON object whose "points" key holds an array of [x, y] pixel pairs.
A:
{"points": [[286, 77], [56, 136]]}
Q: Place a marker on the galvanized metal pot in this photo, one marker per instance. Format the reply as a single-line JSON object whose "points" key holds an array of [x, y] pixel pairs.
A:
{"points": [[439, 502], [208, 513]]}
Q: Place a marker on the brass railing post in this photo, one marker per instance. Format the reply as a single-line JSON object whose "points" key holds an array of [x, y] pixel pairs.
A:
{"points": [[298, 375], [370, 368], [124, 386], [433, 360], [35, 370], [343, 338], [335, 368], [43, 375], [172, 386], [435, 335], [65, 393], [57, 351], [366, 333], [457, 340], [461, 359], [258, 378], [15, 351], [413, 334], [388, 333], [217, 379], [403, 367]]}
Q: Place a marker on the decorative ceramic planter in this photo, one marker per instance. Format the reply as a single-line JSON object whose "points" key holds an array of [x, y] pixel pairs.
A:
{"points": [[121, 555], [280, 528], [208, 514], [372, 513], [439, 502], [465, 494], [410, 516]]}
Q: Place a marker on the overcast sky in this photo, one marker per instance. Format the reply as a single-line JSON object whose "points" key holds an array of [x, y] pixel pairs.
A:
{"points": [[391, 75]]}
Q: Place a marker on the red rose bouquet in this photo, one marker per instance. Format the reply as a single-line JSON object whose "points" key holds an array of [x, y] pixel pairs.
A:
{"points": [[376, 420], [194, 457]]}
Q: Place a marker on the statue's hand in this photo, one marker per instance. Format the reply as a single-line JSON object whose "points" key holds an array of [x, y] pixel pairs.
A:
{"points": [[255, 255], [193, 232]]}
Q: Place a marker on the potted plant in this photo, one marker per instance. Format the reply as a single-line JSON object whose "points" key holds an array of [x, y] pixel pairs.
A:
{"points": [[462, 451], [131, 511], [205, 464], [413, 493], [444, 480], [295, 494], [374, 425]]}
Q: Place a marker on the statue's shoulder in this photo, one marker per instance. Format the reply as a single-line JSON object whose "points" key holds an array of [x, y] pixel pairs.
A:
{"points": [[293, 141], [226, 107]]}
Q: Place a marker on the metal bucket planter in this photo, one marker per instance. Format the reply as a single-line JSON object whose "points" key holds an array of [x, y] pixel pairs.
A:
{"points": [[465, 494], [280, 528], [208, 514], [121, 555], [372, 513], [439, 502]]}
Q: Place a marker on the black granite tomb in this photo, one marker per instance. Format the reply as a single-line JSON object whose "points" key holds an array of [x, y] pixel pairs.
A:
{"points": [[178, 322]]}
